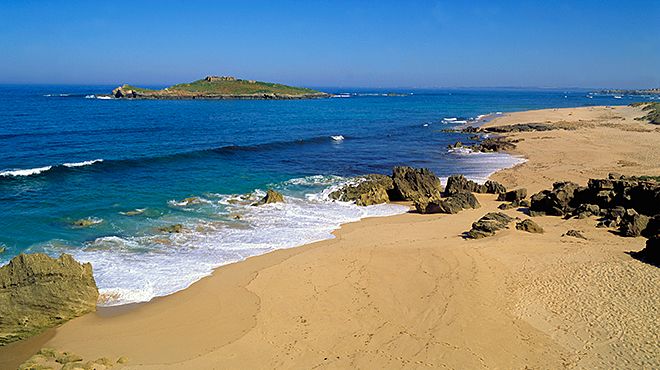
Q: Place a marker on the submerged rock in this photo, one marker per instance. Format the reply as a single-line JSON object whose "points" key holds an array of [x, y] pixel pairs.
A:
{"points": [[369, 190], [529, 226], [415, 184], [272, 196], [86, 222], [453, 204], [488, 225], [172, 229], [38, 292]]}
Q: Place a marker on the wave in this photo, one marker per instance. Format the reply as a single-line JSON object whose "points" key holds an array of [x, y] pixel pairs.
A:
{"points": [[138, 268], [40, 170]]}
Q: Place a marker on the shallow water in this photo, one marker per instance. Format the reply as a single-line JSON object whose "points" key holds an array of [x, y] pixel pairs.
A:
{"points": [[127, 165]]}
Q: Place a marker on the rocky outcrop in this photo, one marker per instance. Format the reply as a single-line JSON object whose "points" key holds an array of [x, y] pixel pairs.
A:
{"points": [[272, 196], [452, 204], [459, 184], [651, 252], [488, 225], [415, 184], [513, 195], [520, 127], [124, 92], [38, 292], [529, 226], [633, 224], [555, 202], [367, 190]]}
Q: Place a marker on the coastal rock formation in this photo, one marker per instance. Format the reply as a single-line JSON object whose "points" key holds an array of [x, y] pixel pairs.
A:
{"points": [[529, 226], [50, 358], [633, 224], [555, 202], [368, 190], [452, 204], [651, 252], [520, 127], [513, 195], [272, 196], [415, 184], [459, 184], [38, 292], [488, 225]]}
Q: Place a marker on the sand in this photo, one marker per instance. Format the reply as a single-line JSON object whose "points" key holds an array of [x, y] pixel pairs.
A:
{"points": [[409, 291]]}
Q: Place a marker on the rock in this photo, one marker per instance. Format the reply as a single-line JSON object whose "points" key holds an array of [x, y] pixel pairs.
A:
{"points": [[586, 210], [488, 225], [651, 252], [415, 184], [575, 234], [652, 228], [38, 292], [494, 144], [272, 196], [494, 187], [555, 202], [615, 176], [529, 226], [172, 229], [86, 222], [453, 204], [523, 203], [513, 195], [368, 190], [520, 127], [632, 223], [459, 184], [505, 206]]}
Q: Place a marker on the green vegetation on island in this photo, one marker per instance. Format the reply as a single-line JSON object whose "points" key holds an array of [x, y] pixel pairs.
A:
{"points": [[219, 87]]}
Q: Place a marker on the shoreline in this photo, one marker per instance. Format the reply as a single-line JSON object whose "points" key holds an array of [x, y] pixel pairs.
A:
{"points": [[253, 305]]}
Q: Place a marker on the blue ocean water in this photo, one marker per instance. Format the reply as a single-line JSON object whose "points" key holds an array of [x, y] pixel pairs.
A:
{"points": [[128, 167]]}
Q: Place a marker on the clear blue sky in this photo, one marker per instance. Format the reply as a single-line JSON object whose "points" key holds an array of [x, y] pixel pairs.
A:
{"points": [[577, 43]]}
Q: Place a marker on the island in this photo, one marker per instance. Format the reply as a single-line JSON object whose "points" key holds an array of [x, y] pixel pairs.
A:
{"points": [[219, 87]]}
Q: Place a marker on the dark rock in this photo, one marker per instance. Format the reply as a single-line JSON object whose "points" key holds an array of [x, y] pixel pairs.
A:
{"points": [[494, 144], [494, 187], [38, 292], [632, 223], [488, 225], [415, 184], [575, 234], [523, 203], [555, 202], [652, 228], [513, 195], [529, 226], [505, 206], [453, 204], [651, 252], [368, 190], [520, 127]]}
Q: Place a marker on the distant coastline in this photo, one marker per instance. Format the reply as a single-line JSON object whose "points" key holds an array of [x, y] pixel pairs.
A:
{"points": [[218, 88]]}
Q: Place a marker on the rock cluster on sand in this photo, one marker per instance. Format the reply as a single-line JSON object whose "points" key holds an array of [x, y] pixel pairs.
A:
{"points": [[38, 292], [419, 185], [367, 190], [459, 184], [452, 204], [414, 184], [488, 225], [630, 203]]}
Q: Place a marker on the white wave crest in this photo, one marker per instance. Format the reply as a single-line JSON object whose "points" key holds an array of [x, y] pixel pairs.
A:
{"points": [[25, 172], [83, 163]]}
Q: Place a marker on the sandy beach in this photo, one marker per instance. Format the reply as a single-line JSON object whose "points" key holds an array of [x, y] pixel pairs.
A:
{"points": [[408, 291]]}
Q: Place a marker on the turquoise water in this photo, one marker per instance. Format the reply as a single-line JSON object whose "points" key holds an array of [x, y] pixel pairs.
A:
{"points": [[127, 166]]}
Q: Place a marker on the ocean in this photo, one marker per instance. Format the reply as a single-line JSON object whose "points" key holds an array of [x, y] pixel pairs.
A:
{"points": [[131, 167]]}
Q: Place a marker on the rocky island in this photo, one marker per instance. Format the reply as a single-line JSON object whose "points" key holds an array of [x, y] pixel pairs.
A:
{"points": [[219, 87]]}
